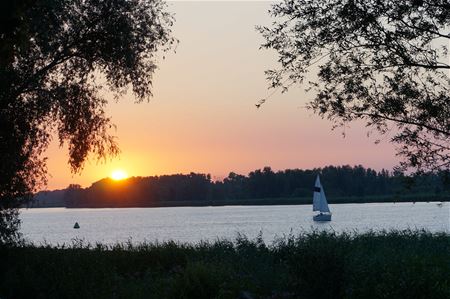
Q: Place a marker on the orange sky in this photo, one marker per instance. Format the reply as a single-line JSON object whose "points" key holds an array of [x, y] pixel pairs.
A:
{"points": [[202, 117]]}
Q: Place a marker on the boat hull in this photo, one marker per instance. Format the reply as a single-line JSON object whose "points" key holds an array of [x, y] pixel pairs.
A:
{"points": [[322, 217]]}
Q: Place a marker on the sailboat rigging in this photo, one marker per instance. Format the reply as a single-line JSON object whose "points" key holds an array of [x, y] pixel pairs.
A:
{"points": [[320, 203]]}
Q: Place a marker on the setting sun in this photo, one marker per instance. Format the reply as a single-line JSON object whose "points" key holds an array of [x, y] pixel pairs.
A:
{"points": [[118, 175]]}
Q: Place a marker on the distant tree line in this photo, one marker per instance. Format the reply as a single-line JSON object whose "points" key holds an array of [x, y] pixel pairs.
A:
{"points": [[339, 182]]}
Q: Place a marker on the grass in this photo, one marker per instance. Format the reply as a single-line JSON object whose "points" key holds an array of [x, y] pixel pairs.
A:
{"points": [[396, 264]]}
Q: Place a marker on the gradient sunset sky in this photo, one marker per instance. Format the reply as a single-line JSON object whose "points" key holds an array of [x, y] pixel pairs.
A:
{"points": [[203, 118]]}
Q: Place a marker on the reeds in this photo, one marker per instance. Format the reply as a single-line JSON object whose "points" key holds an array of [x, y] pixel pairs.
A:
{"points": [[394, 264]]}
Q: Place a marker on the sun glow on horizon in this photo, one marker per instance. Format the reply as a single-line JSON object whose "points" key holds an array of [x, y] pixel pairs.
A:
{"points": [[118, 175]]}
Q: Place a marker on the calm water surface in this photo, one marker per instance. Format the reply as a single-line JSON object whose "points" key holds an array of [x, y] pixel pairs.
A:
{"points": [[192, 224]]}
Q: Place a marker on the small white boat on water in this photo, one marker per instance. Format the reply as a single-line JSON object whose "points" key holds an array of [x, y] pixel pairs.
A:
{"points": [[320, 203]]}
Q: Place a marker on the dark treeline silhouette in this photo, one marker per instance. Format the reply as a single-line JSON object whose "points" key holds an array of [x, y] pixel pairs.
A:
{"points": [[341, 183]]}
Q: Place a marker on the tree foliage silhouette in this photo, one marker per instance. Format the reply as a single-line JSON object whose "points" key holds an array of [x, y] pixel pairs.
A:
{"points": [[344, 184], [383, 62], [57, 58]]}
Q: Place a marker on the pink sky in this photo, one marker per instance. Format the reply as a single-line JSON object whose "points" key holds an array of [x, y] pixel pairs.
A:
{"points": [[202, 117]]}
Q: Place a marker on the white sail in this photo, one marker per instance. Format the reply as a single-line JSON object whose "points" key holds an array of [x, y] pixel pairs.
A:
{"points": [[319, 199], [323, 202], [316, 196]]}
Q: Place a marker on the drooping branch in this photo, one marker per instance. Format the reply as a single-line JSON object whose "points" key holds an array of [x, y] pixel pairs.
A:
{"points": [[405, 121]]}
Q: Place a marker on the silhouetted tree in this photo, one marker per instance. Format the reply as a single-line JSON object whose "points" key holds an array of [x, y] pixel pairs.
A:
{"points": [[342, 184], [384, 62], [57, 59]]}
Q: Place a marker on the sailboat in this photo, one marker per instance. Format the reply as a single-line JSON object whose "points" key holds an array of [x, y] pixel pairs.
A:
{"points": [[320, 203]]}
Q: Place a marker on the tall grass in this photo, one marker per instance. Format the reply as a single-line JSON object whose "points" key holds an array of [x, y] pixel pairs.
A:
{"points": [[395, 264]]}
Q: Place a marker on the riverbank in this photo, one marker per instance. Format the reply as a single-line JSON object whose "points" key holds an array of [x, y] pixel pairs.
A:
{"points": [[304, 201], [402, 264], [254, 202]]}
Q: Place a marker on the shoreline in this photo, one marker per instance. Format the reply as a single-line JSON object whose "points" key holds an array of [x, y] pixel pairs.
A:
{"points": [[262, 202]]}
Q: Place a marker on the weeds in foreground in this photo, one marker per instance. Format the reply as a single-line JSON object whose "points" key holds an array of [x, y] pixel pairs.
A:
{"points": [[395, 264]]}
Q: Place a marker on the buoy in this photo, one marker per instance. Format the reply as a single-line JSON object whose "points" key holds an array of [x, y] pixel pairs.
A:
{"points": [[76, 225]]}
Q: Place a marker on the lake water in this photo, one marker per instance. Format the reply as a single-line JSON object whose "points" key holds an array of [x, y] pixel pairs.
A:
{"points": [[192, 224]]}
